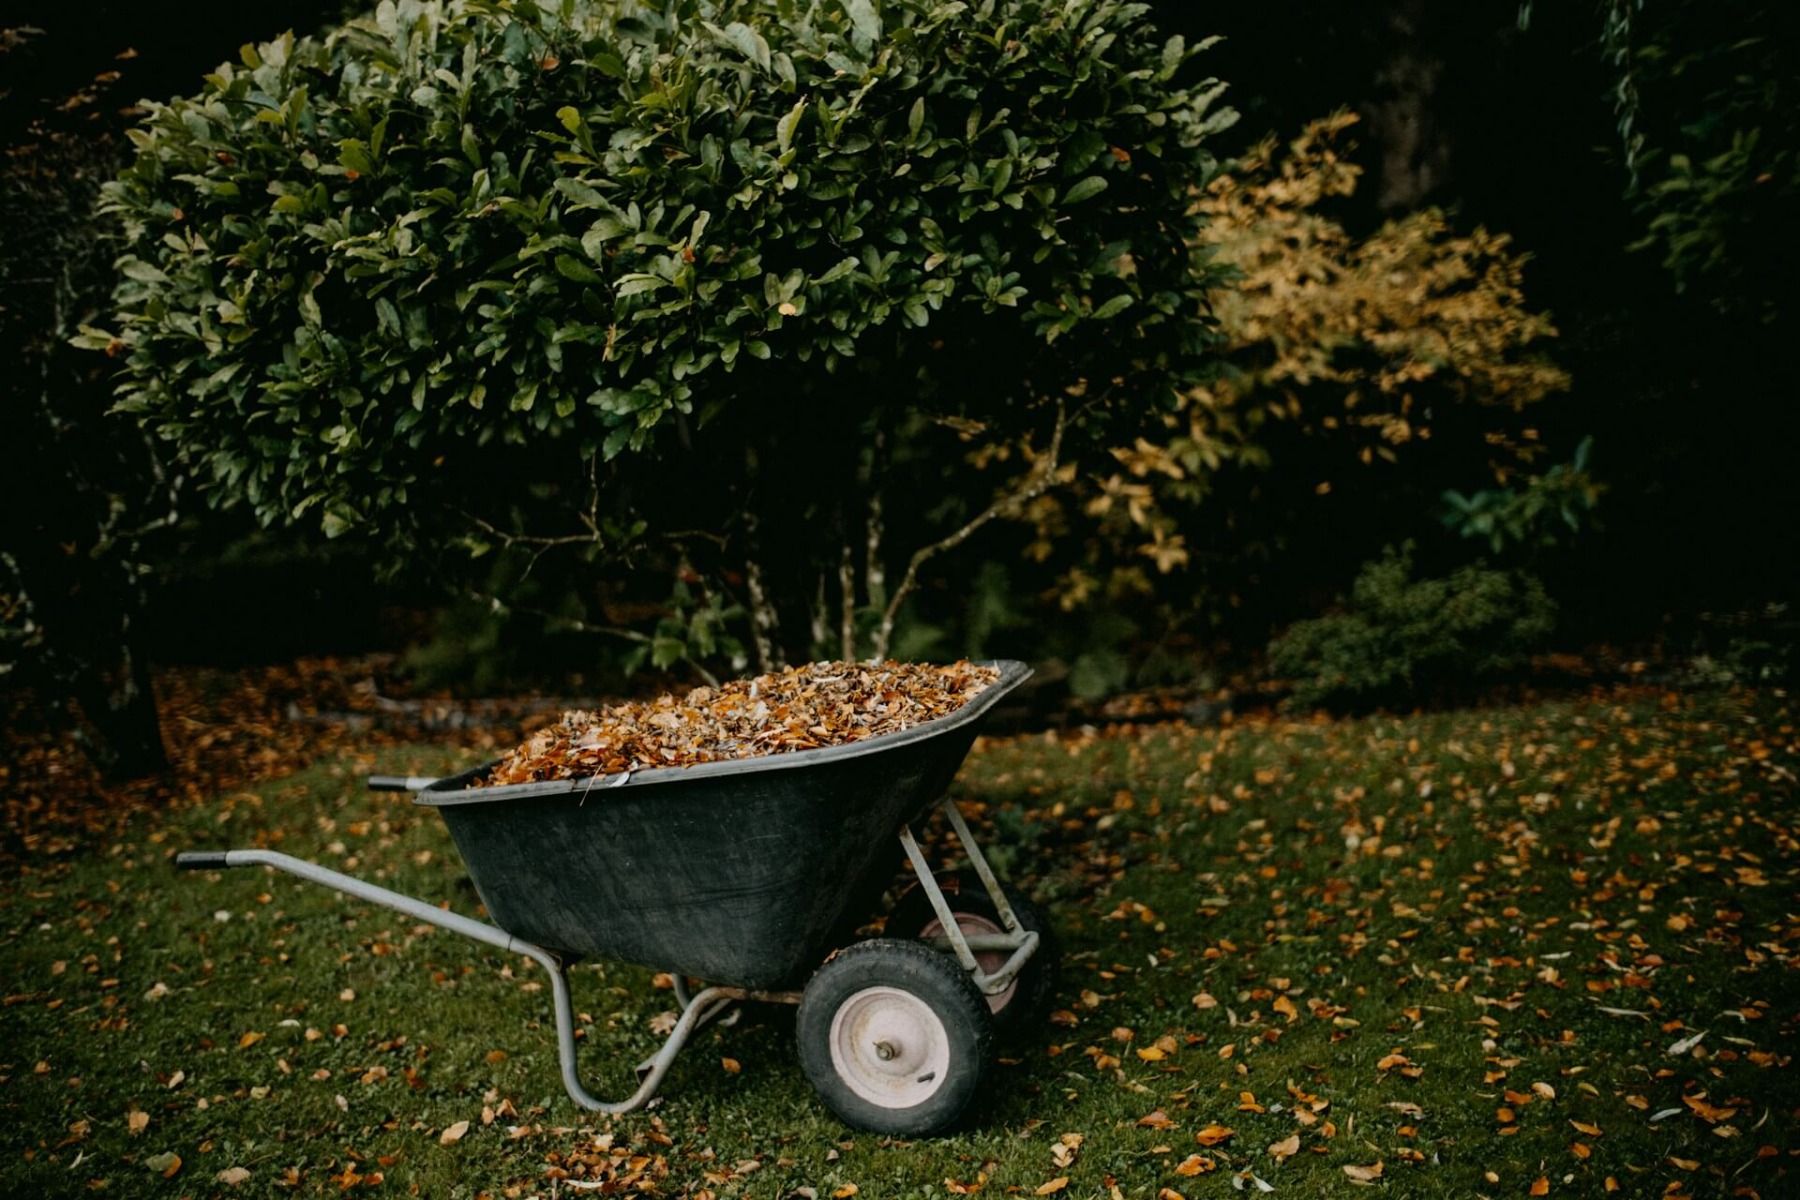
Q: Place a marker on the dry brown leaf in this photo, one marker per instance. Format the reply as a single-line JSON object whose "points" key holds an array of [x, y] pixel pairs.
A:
{"points": [[1286, 1148], [1054, 1186], [453, 1133], [136, 1121], [232, 1176], [1368, 1174]]}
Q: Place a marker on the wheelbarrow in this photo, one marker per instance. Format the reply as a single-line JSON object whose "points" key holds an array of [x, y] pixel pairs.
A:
{"points": [[751, 877]]}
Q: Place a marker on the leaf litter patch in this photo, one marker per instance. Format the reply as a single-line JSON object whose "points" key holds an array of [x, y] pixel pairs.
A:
{"points": [[804, 708]]}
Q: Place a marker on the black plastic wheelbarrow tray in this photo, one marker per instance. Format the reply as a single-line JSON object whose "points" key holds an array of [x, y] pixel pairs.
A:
{"points": [[747, 875]]}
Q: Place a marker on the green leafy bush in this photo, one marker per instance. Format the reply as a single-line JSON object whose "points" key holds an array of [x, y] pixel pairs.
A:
{"points": [[570, 278], [1400, 638]]}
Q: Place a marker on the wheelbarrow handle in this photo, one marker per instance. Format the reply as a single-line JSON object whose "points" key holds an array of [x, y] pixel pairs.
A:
{"points": [[400, 783], [699, 1010]]}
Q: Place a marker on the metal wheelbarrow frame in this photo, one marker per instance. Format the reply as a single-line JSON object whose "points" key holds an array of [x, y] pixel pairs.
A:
{"points": [[612, 856]]}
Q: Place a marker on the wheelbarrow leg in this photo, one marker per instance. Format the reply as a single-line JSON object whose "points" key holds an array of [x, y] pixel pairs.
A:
{"points": [[700, 1009], [1018, 942], [707, 1005]]}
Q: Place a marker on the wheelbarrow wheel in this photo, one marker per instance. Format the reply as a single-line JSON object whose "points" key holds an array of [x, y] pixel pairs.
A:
{"points": [[1028, 996], [894, 1037]]}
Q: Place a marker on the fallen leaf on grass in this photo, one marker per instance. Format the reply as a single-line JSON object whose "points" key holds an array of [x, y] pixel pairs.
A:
{"points": [[1155, 1120], [453, 1133], [232, 1176], [732, 1066], [845, 1192], [164, 1164], [1214, 1135], [1707, 1112], [1194, 1164], [1065, 1148], [1368, 1174], [136, 1121], [1286, 1148], [1677, 1049], [1540, 1186], [1054, 1186]]}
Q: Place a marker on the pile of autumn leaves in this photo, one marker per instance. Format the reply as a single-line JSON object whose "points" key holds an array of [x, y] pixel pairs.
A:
{"points": [[805, 708]]}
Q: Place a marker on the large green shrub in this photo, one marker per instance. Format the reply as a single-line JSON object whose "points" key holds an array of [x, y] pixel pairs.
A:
{"points": [[577, 276], [1401, 639]]}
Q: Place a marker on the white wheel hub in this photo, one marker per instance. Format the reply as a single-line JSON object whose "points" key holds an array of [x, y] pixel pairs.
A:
{"points": [[889, 1047]]}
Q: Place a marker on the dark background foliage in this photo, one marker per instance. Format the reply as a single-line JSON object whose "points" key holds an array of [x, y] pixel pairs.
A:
{"points": [[1657, 217]]}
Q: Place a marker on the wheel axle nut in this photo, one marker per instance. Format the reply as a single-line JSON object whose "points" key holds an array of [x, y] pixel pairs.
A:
{"points": [[886, 1051]]}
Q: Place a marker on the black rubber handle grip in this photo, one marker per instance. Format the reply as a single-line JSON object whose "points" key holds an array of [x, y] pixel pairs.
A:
{"points": [[200, 860], [389, 783]]}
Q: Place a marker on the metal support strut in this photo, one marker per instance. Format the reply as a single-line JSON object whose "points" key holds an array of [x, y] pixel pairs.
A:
{"points": [[1021, 943], [698, 1009]]}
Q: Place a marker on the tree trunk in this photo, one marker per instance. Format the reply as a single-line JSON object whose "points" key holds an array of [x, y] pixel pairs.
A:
{"points": [[1415, 158]]}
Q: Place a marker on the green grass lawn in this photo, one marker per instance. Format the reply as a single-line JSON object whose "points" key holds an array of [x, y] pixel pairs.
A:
{"points": [[1494, 953]]}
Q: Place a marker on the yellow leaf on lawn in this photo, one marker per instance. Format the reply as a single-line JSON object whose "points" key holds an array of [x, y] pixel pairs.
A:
{"points": [[732, 1066], [1194, 1164], [1151, 1053], [249, 1039], [1368, 1174], [453, 1133], [1286, 1148], [1054, 1186], [1540, 1186], [1155, 1120], [137, 1121], [1213, 1135], [845, 1192], [1707, 1112]]}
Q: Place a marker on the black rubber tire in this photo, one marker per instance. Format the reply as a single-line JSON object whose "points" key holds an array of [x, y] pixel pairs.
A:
{"points": [[924, 974], [1030, 996]]}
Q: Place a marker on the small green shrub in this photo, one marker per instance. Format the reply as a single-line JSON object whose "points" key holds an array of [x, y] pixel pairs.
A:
{"points": [[1399, 638]]}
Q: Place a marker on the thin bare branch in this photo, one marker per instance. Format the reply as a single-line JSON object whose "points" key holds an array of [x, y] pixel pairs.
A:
{"points": [[847, 602], [1030, 486]]}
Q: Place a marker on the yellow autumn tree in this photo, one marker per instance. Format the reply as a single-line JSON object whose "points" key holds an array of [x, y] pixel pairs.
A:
{"points": [[1355, 339]]}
